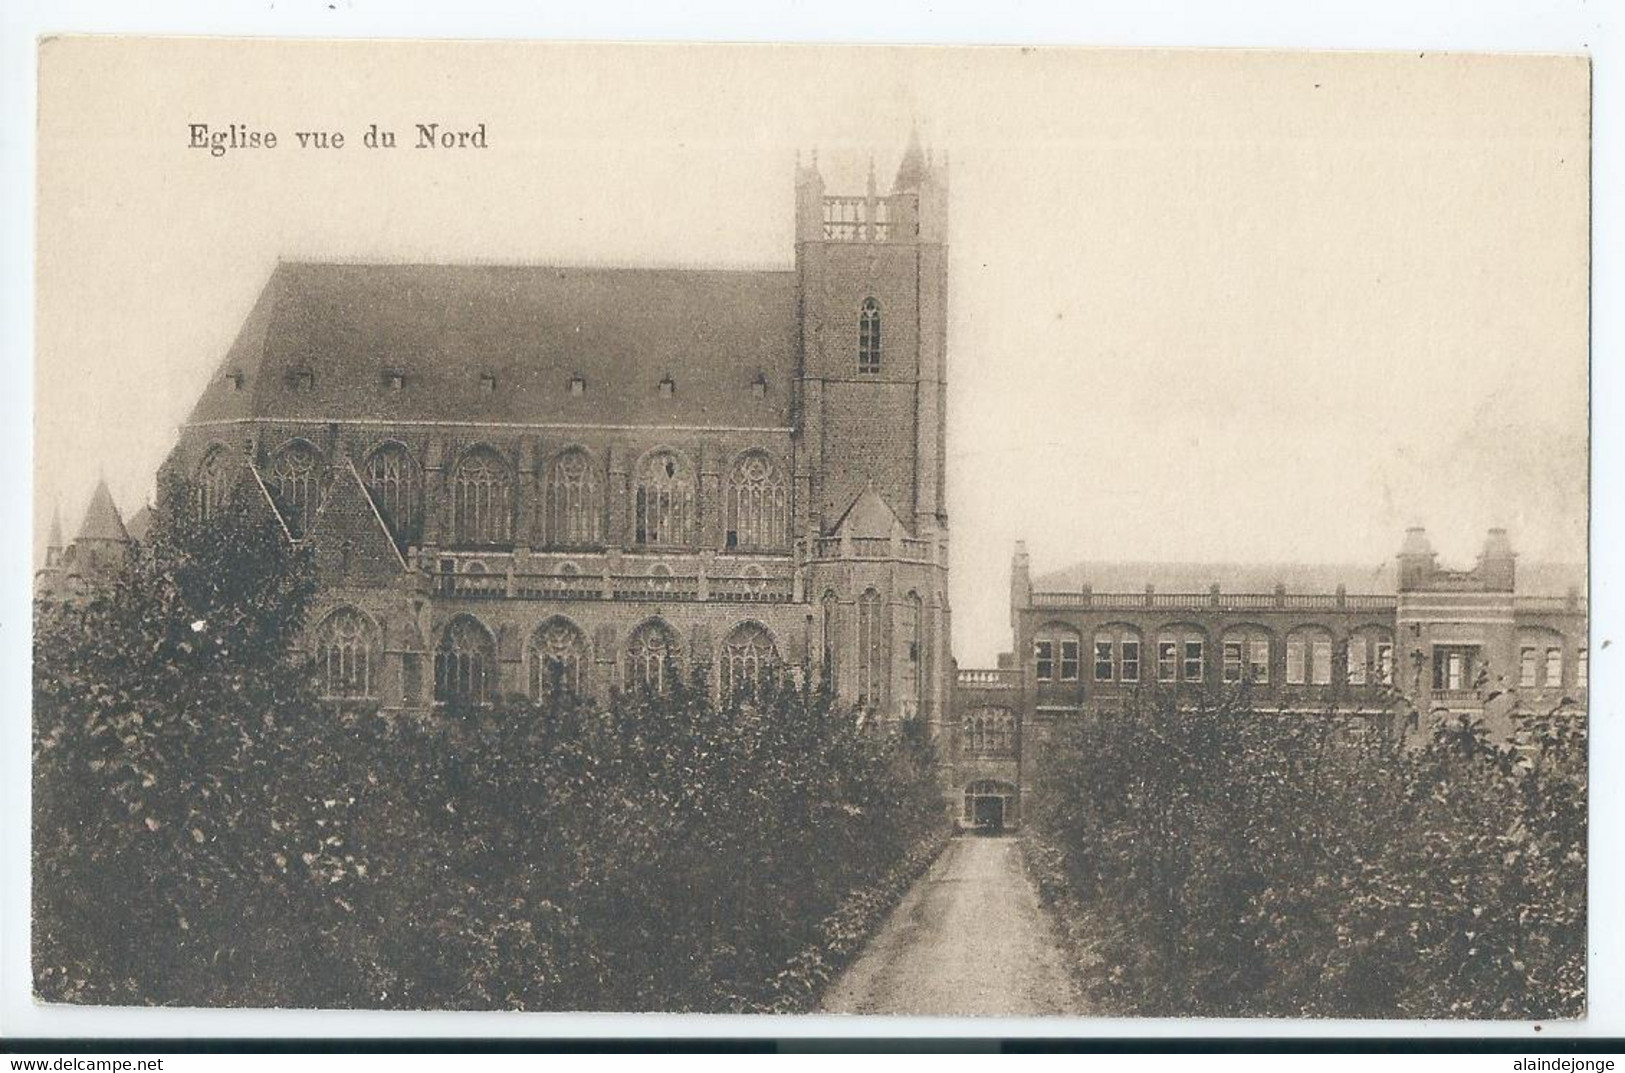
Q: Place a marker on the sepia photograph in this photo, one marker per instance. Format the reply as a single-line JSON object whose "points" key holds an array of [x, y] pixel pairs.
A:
{"points": [[954, 532]]}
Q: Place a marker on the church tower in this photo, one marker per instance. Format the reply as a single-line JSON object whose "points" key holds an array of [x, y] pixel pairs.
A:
{"points": [[871, 277]]}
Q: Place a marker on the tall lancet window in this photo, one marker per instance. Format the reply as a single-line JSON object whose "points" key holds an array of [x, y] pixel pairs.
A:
{"points": [[295, 483], [749, 658], [756, 504], [831, 608], [651, 658], [558, 660], [465, 664], [869, 338], [392, 481], [910, 627], [572, 501], [344, 654], [213, 484], [663, 502], [479, 499], [871, 650]]}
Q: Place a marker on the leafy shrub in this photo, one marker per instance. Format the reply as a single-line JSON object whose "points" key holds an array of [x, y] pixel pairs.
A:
{"points": [[207, 833], [1230, 862]]}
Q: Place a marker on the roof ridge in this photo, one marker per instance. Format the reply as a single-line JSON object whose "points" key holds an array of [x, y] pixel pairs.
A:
{"points": [[739, 268]]}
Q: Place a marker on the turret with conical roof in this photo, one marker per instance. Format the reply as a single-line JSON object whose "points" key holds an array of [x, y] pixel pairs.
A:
{"points": [[99, 548], [48, 577]]}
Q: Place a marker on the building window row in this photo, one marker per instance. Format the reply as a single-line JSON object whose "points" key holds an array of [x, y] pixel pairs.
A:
{"points": [[483, 496], [1541, 663], [1245, 655], [346, 648]]}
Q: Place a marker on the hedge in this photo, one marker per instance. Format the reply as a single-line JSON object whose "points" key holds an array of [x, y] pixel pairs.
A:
{"points": [[1230, 862]]}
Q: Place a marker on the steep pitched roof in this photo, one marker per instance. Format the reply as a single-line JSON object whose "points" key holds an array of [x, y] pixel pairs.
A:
{"points": [[141, 523], [868, 515], [352, 542], [531, 327], [102, 521], [1534, 579]]}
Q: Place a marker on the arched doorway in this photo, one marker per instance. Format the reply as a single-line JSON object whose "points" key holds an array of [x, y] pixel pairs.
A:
{"points": [[990, 806]]}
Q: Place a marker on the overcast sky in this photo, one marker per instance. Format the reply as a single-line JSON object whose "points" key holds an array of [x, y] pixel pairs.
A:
{"points": [[1204, 306]]}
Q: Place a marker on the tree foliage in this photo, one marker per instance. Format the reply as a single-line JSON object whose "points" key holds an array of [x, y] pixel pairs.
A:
{"points": [[1229, 862], [208, 833]]}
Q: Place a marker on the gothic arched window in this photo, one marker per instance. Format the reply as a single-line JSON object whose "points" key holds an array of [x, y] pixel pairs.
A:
{"points": [[392, 481], [756, 504], [572, 500], [663, 502], [831, 608], [558, 659], [213, 484], [871, 651], [479, 499], [651, 658], [910, 626], [869, 337], [748, 659], [465, 664], [345, 646], [295, 478]]}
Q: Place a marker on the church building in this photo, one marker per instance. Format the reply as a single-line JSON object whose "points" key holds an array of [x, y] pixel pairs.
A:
{"points": [[521, 475]]}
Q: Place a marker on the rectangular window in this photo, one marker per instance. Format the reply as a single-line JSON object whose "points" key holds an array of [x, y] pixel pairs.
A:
{"points": [[1355, 661], [1452, 667], [1321, 668], [1526, 668], [1103, 661], [1582, 669], [1554, 668], [1385, 664], [1069, 661], [1195, 667], [1294, 662], [1131, 661], [1259, 667], [1044, 656], [1232, 661], [1167, 661]]}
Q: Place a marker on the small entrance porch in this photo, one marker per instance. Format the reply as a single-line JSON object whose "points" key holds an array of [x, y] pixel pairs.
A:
{"points": [[990, 806]]}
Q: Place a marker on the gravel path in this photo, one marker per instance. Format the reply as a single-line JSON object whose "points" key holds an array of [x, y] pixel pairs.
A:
{"points": [[969, 938]]}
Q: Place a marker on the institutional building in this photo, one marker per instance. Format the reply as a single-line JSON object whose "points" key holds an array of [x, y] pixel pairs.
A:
{"points": [[1382, 646]]}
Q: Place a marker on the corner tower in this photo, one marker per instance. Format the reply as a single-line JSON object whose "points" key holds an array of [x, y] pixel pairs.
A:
{"points": [[871, 288]]}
